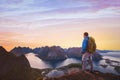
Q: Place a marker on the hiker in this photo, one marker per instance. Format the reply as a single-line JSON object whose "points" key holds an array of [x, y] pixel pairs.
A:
{"points": [[88, 48]]}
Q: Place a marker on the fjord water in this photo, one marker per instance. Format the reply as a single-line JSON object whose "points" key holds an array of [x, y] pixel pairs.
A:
{"points": [[36, 62]]}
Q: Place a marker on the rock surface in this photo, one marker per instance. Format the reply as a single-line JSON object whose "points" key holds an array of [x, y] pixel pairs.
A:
{"points": [[74, 72], [13, 67]]}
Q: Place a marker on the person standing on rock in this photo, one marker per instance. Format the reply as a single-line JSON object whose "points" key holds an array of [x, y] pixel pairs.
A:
{"points": [[88, 48]]}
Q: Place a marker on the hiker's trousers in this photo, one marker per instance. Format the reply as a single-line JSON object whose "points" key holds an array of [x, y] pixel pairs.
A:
{"points": [[87, 61]]}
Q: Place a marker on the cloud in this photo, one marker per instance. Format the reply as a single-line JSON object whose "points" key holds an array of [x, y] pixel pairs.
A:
{"points": [[39, 13]]}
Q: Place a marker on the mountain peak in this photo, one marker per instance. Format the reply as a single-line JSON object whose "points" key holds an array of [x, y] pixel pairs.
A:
{"points": [[18, 51], [2, 50]]}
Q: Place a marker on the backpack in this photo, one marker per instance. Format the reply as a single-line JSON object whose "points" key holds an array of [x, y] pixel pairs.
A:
{"points": [[91, 45]]}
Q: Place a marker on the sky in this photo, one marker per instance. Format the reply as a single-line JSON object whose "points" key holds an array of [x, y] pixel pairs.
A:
{"points": [[37, 23]]}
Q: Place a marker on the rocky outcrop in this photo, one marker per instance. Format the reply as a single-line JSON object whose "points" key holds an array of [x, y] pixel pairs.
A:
{"points": [[21, 50], [13, 67], [52, 53], [80, 75], [74, 72]]}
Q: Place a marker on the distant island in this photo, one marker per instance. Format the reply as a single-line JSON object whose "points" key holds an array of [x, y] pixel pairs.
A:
{"points": [[106, 51]]}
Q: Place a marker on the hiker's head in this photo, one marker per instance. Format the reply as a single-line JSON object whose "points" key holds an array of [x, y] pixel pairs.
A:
{"points": [[85, 34]]}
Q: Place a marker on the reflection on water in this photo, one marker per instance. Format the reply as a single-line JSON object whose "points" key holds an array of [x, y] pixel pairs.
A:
{"points": [[35, 62]]}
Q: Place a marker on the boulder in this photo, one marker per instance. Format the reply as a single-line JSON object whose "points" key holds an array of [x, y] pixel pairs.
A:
{"points": [[55, 74]]}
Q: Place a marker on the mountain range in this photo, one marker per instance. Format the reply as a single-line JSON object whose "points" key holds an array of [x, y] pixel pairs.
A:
{"points": [[53, 53]]}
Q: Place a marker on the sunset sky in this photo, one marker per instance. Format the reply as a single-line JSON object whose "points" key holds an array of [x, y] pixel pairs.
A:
{"points": [[37, 23]]}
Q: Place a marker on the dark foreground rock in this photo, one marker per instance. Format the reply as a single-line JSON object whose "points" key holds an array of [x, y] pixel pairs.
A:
{"points": [[87, 76], [13, 67]]}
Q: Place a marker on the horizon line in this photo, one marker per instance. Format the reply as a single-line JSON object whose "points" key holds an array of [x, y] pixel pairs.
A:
{"points": [[52, 46]]}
